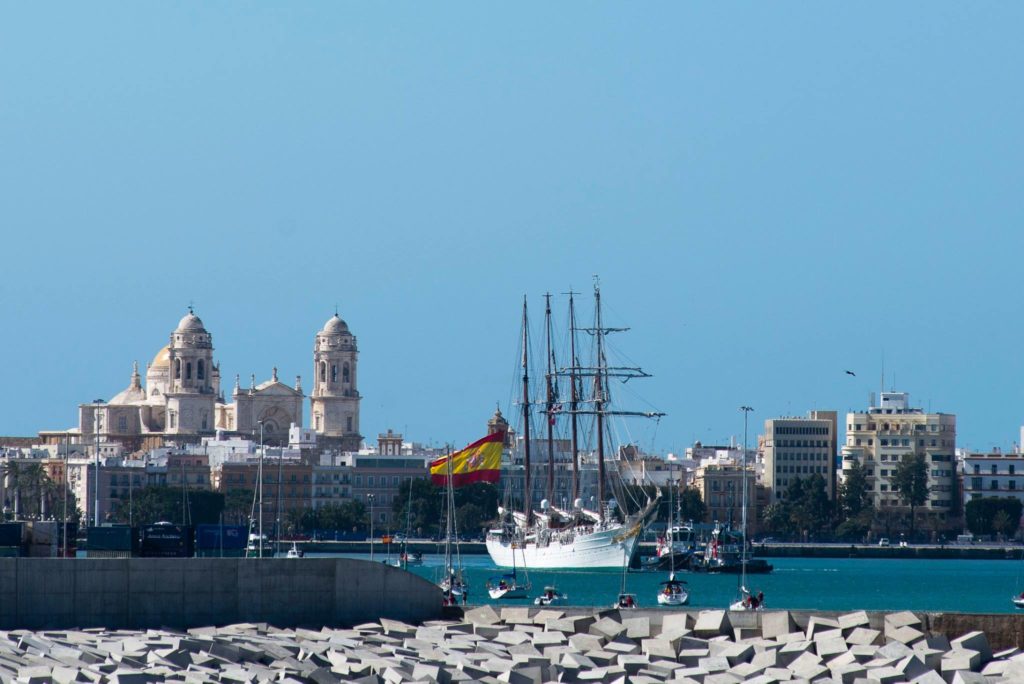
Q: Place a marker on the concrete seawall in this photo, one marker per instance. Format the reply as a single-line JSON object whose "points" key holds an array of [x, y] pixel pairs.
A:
{"points": [[140, 593]]}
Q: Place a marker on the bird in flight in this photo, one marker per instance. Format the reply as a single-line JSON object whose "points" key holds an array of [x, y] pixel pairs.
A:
{"points": [[849, 372]]}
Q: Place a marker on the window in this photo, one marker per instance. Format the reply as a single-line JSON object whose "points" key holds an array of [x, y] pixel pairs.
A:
{"points": [[188, 370], [323, 371], [994, 468], [177, 369], [1012, 484], [122, 425], [200, 370], [1012, 469], [348, 424], [977, 469], [994, 484], [334, 372], [345, 373]]}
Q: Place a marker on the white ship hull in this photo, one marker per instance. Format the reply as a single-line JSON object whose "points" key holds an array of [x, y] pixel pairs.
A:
{"points": [[607, 548]]}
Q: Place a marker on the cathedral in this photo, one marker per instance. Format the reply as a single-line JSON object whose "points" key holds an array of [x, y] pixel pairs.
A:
{"points": [[182, 400]]}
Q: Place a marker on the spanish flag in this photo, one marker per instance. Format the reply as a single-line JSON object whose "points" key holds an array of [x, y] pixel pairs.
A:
{"points": [[479, 462]]}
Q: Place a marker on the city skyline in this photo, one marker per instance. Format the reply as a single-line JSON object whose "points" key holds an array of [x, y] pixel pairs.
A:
{"points": [[771, 196]]}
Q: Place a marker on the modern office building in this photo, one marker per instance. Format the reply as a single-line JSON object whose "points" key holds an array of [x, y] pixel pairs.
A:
{"points": [[795, 448]]}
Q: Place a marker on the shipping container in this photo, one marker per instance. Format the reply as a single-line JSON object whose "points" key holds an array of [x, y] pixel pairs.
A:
{"points": [[11, 534], [164, 540], [112, 538], [216, 537]]}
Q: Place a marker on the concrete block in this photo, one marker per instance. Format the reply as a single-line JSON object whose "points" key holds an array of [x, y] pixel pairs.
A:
{"points": [[622, 644], [603, 658], [962, 677], [691, 657], [484, 615], [638, 627], [863, 636], [827, 648], [676, 620], [516, 616], [713, 664], [905, 635], [903, 618], [959, 659], [848, 674], [791, 651], [586, 642], [658, 648], [545, 614], [607, 627], [570, 624], [929, 678], [850, 621], [712, 623], [817, 624], [974, 641]]}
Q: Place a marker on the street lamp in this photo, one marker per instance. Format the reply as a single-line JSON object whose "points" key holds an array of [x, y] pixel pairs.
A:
{"points": [[369, 498]]}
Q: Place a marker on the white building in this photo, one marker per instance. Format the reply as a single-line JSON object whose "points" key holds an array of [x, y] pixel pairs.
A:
{"points": [[880, 437], [993, 474]]}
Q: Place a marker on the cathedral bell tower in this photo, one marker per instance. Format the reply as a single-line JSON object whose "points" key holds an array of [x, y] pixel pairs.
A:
{"points": [[192, 382], [334, 402]]}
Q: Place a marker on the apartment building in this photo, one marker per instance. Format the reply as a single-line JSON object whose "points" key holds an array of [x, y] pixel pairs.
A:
{"points": [[881, 436], [993, 474]]}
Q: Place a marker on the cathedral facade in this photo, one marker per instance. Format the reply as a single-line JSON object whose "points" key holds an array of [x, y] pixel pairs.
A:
{"points": [[182, 400]]}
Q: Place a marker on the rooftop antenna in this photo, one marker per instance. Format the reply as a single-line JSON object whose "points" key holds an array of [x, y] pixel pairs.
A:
{"points": [[190, 306]]}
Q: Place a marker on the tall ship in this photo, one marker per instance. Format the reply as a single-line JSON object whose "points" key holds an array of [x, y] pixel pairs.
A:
{"points": [[605, 535]]}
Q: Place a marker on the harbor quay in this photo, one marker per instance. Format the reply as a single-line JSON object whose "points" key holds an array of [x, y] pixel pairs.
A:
{"points": [[534, 645]]}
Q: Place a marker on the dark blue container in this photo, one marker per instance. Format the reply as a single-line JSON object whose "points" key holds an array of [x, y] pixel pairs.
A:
{"points": [[216, 537]]}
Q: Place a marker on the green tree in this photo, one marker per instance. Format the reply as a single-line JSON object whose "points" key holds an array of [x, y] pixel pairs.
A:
{"points": [[238, 506], [990, 515], [691, 506], [911, 483], [469, 519], [156, 504], [854, 492], [777, 518]]}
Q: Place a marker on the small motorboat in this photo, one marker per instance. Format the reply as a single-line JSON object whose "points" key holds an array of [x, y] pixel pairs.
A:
{"points": [[626, 602], [452, 584], [550, 597], [295, 552], [673, 592], [414, 558], [506, 587], [1018, 601]]}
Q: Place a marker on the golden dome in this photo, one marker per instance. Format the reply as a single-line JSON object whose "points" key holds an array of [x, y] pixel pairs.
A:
{"points": [[162, 358]]}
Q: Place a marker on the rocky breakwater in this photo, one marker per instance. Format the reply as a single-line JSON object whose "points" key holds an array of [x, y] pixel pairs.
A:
{"points": [[522, 645]]}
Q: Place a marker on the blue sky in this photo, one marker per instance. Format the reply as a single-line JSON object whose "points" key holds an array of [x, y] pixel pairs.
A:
{"points": [[771, 194]]}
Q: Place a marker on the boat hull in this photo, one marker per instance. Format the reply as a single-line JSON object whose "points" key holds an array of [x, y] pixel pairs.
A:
{"points": [[608, 548]]}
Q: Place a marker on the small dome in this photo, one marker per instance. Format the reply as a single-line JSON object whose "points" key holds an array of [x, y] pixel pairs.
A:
{"points": [[190, 323], [335, 325], [162, 358], [132, 395]]}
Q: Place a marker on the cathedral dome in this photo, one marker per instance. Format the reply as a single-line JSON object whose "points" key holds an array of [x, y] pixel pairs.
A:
{"points": [[190, 323], [335, 325], [162, 358]]}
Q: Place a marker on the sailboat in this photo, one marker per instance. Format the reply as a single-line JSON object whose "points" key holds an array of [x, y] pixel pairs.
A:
{"points": [[452, 584], [673, 592], [745, 600], [577, 538], [625, 601], [550, 597]]}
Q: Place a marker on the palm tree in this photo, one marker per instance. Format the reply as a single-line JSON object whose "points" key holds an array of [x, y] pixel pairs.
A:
{"points": [[12, 484]]}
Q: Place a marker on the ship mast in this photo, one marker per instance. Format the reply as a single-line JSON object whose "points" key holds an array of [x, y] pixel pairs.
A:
{"points": [[527, 503], [550, 401], [599, 401], [574, 406]]}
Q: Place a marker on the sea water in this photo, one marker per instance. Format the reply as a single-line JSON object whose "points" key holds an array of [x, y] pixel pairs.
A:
{"points": [[974, 586]]}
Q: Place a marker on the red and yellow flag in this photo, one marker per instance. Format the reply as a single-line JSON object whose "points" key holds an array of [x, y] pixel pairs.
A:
{"points": [[479, 462]]}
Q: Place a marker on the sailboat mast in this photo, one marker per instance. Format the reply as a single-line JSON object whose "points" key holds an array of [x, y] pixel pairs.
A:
{"points": [[575, 400], [599, 402], [550, 401], [527, 503], [743, 552]]}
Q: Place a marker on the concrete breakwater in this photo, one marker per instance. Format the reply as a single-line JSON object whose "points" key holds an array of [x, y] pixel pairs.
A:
{"points": [[526, 646], [139, 593]]}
